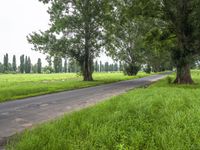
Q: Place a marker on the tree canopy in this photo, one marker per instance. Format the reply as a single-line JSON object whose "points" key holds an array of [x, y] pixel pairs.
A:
{"points": [[75, 30], [156, 33]]}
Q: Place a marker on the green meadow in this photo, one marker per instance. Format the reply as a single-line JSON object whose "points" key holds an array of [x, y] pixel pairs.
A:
{"points": [[17, 86], [162, 116]]}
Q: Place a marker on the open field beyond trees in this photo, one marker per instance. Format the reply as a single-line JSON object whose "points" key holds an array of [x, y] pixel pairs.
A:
{"points": [[15, 86], [163, 116]]}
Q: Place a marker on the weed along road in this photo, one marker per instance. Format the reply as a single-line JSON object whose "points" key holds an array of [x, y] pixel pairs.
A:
{"points": [[15, 116]]}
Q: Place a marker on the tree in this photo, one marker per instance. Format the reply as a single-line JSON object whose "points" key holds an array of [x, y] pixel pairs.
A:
{"points": [[29, 65], [71, 66], [6, 63], [49, 61], [120, 66], [101, 67], [96, 66], [115, 67], [22, 64], [26, 64], [1, 68], [34, 68], [106, 66], [49, 69], [14, 64], [39, 66], [79, 26], [57, 64], [181, 22], [157, 51], [125, 38], [66, 66], [111, 68]]}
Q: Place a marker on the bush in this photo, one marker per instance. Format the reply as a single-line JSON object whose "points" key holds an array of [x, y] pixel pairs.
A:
{"points": [[131, 70], [147, 69], [169, 79]]}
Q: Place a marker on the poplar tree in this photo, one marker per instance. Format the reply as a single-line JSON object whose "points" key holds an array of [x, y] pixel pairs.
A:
{"points": [[22, 64], [14, 64], [6, 63], [79, 26], [39, 66], [66, 66]]}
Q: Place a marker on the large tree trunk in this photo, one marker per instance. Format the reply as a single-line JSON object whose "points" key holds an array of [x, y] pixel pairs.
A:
{"points": [[88, 59], [183, 75], [179, 15], [87, 70]]}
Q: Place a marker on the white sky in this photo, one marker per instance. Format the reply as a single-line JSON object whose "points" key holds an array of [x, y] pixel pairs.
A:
{"points": [[18, 18]]}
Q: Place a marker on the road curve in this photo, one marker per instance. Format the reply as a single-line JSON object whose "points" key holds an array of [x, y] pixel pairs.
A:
{"points": [[15, 116]]}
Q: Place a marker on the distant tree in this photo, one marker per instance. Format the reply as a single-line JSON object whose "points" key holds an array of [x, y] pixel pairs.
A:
{"points": [[22, 64], [39, 66], [147, 69], [58, 64], [65, 66], [111, 67], [14, 64], [115, 67], [1, 68], [34, 68], [49, 61], [106, 66], [100, 66], [120, 66], [6, 66], [71, 66], [26, 64], [49, 68], [96, 66], [29, 65]]}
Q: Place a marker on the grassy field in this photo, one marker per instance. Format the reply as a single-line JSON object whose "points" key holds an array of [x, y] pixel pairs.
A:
{"points": [[163, 116], [15, 86]]}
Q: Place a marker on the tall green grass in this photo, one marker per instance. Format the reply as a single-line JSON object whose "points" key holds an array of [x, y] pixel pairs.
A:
{"points": [[163, 116], [15, 86]]}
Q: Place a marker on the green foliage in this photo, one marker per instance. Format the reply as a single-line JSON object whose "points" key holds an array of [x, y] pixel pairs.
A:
{"points": [[57, 64], [177, 24], [131, 70], [66, 66], [79, 31], [147, 69], [14, 64], [27, 65], [163, 116], [39, 66], [96, 66], [169, 79], [6, 63], [22, 64], [1, 67]]}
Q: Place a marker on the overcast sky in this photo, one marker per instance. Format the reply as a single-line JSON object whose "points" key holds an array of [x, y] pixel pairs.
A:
{"points": [[18, 18]]}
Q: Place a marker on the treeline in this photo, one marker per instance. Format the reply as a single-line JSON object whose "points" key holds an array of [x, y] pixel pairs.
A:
{"points": [[25, 66], [55, 65]]}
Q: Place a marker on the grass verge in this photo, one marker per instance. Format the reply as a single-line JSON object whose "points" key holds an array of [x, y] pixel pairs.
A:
{"points": [[163, 116], [17, 86]]}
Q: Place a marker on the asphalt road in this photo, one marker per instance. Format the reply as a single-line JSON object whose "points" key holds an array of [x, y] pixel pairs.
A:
{"points": [[15, 116]]}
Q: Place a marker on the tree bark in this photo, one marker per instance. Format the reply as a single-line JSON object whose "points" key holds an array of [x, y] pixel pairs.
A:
{"points": [[87, 70], [88, 60], [183, 75]]}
